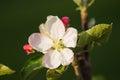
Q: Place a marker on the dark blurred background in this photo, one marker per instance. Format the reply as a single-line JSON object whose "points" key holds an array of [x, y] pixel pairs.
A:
{"points": [[20, 18]]}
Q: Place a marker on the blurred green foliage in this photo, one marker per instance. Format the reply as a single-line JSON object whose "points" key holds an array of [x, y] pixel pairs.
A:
{"points": [[5, 70], [20, 18]]}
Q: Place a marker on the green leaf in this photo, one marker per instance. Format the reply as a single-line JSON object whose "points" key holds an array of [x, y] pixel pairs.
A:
{"points": [[84, 39], [5, 70], [53, 74], [98, 34], [82, 4], [91, 2], [77, 2], [32, 66]]}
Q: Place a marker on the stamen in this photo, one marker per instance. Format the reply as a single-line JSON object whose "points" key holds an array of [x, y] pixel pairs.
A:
{"points": [[57, 45]]}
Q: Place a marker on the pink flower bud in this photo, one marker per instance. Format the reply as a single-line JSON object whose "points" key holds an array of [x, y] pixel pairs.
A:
{"points": [[28, 49], [65, 21]]}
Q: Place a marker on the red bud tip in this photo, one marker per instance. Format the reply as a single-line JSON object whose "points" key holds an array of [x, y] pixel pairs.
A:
{"points": [[28, 49], [65, 21]]}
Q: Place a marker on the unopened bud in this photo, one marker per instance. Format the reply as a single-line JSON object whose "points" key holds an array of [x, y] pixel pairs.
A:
{"points": [[28, 49], [65, 21]]}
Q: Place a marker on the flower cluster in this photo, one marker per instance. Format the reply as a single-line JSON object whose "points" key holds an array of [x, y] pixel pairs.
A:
{"points": [[54, 42]]}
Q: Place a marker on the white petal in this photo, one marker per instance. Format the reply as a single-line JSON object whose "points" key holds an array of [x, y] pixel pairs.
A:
{"points": [[51, 59], [55, 27], [67, 56], [70, 37], [42, 28], [40, 42]]}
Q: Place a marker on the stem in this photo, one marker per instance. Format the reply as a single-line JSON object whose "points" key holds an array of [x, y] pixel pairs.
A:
{"points": [[84, 20], [82, 64], [84, 57], [76, 69]]}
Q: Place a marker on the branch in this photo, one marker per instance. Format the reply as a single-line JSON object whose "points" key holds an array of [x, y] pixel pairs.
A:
{"points": [[83, 57], [82, 64]]}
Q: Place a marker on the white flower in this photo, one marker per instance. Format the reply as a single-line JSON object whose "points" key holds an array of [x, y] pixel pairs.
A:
{"points": [[53, 42]]}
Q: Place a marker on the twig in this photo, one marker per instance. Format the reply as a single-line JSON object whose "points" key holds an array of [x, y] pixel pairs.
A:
{"points": [[83, 57], [82, 64]]}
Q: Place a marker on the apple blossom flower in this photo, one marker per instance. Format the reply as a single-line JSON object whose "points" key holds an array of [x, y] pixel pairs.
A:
{"points": [[28, 49], [54, 42]]}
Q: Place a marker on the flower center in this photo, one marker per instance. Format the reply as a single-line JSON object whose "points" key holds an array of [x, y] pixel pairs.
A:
{"points": [[57, 45]]}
